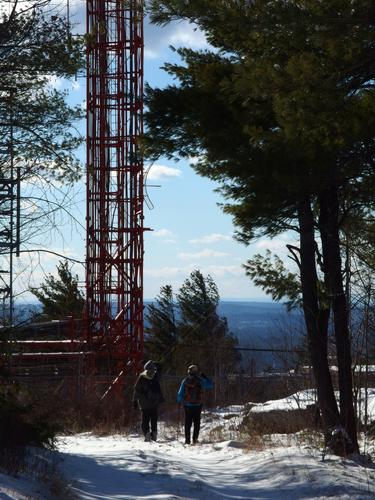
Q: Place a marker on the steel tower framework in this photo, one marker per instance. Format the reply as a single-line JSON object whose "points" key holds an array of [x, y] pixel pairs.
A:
{"points": [[114, 272], [9, 206]]}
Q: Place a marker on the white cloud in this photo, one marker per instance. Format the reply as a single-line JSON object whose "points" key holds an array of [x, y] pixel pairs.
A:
{"points": [[184, 271], [193, 160], [187, 35], [49, 254], [55, 82], [211, 238], [165, 272], [273, 245], [162, 233], [151, 54], [158, 172], [177, 33], [230, 279], [75, 85], [204, 254], [32, 267], [221, 271]]}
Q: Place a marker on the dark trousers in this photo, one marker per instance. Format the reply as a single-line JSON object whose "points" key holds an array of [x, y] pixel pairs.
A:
{"points": [[192, 416], [149, 417]]}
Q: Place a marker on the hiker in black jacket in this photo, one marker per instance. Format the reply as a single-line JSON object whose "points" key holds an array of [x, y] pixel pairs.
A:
{"points": [[147, 396], [190, 395]]}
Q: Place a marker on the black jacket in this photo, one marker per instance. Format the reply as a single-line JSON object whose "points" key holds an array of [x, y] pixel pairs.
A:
{"points": [[147, 392]]}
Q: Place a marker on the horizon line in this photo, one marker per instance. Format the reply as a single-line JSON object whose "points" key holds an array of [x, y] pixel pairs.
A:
{"points": [[224, 299]]}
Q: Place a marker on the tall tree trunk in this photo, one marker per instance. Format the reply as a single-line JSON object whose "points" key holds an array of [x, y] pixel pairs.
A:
{"points": [[329, 232], [316, 319]]}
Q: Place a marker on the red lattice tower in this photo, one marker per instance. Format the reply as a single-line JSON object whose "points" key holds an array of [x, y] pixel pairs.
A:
{"points": [[114, 275]]}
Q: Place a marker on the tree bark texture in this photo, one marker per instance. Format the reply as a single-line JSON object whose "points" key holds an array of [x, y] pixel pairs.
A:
{"points": [[329, 232], [316, 319]]}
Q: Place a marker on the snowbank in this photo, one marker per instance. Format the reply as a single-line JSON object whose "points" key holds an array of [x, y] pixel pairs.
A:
{"points": [[304, 399], [20, 488], [298, 401], [125, 467], [226, 465]]}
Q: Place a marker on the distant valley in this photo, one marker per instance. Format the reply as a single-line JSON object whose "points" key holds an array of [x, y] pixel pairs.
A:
{"points": [[257, 325]]}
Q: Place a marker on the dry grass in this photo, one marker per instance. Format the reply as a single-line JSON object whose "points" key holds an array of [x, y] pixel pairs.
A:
{"points": [[261, 430], [255, 441], [216, 434], [282, 422], [308, 438]]}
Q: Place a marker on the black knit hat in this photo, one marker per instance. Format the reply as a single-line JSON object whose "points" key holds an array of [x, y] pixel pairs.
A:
{"points": [[150, 365], [193, 370]]}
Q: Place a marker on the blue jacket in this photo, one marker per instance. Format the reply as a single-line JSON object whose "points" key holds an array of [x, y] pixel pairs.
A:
{"points": [[205, 383]]}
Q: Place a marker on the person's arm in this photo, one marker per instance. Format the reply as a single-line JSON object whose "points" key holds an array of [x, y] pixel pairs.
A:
{"points": [[160, 392], [206, 382], [181, 392], [136, 395], [139, 386]]}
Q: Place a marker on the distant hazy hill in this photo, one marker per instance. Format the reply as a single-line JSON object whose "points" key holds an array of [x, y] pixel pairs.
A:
{"points": [[261, 323], [265, 325]]}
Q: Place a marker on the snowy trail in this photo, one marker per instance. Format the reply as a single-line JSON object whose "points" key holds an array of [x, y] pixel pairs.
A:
{"points": [[125, 467]]}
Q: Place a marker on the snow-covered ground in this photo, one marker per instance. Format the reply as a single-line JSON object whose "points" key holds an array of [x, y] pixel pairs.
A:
{"points": [[225, 465], [20, 488], [125, 467], [34, 476], [302, 399]]}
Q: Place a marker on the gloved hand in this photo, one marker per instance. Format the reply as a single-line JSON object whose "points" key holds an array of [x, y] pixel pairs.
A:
{"points": [[135, 404], [203, 375]]}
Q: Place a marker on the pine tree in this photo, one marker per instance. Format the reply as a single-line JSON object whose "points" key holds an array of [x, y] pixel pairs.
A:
{"points": [[187, 329], [161, 332], [271, 274], [281, 113], [38, 137], [60, 297], [36, 46], [205, 337]]}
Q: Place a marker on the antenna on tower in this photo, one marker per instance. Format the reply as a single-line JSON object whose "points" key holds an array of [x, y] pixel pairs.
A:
{"points": [[68, 15]]}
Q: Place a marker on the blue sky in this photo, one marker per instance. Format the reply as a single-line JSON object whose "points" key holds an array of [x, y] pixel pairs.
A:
{"points": [[189, 230]]}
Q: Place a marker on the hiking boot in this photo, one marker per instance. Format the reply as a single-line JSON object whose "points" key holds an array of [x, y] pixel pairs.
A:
{"points": [[187, 441], [148, 437], [154, 436], [195, 441]]}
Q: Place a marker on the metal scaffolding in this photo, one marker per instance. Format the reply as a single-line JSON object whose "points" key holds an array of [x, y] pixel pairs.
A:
{"points": [[114, 272], [9, 207]]}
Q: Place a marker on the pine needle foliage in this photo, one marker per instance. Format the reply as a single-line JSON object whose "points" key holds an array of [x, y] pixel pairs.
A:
{"points": [[280, 111], [37, 49], [185, 328], [60, 297]]}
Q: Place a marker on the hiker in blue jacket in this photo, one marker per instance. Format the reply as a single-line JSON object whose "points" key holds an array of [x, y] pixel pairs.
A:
{"points": [[190, 395]]}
